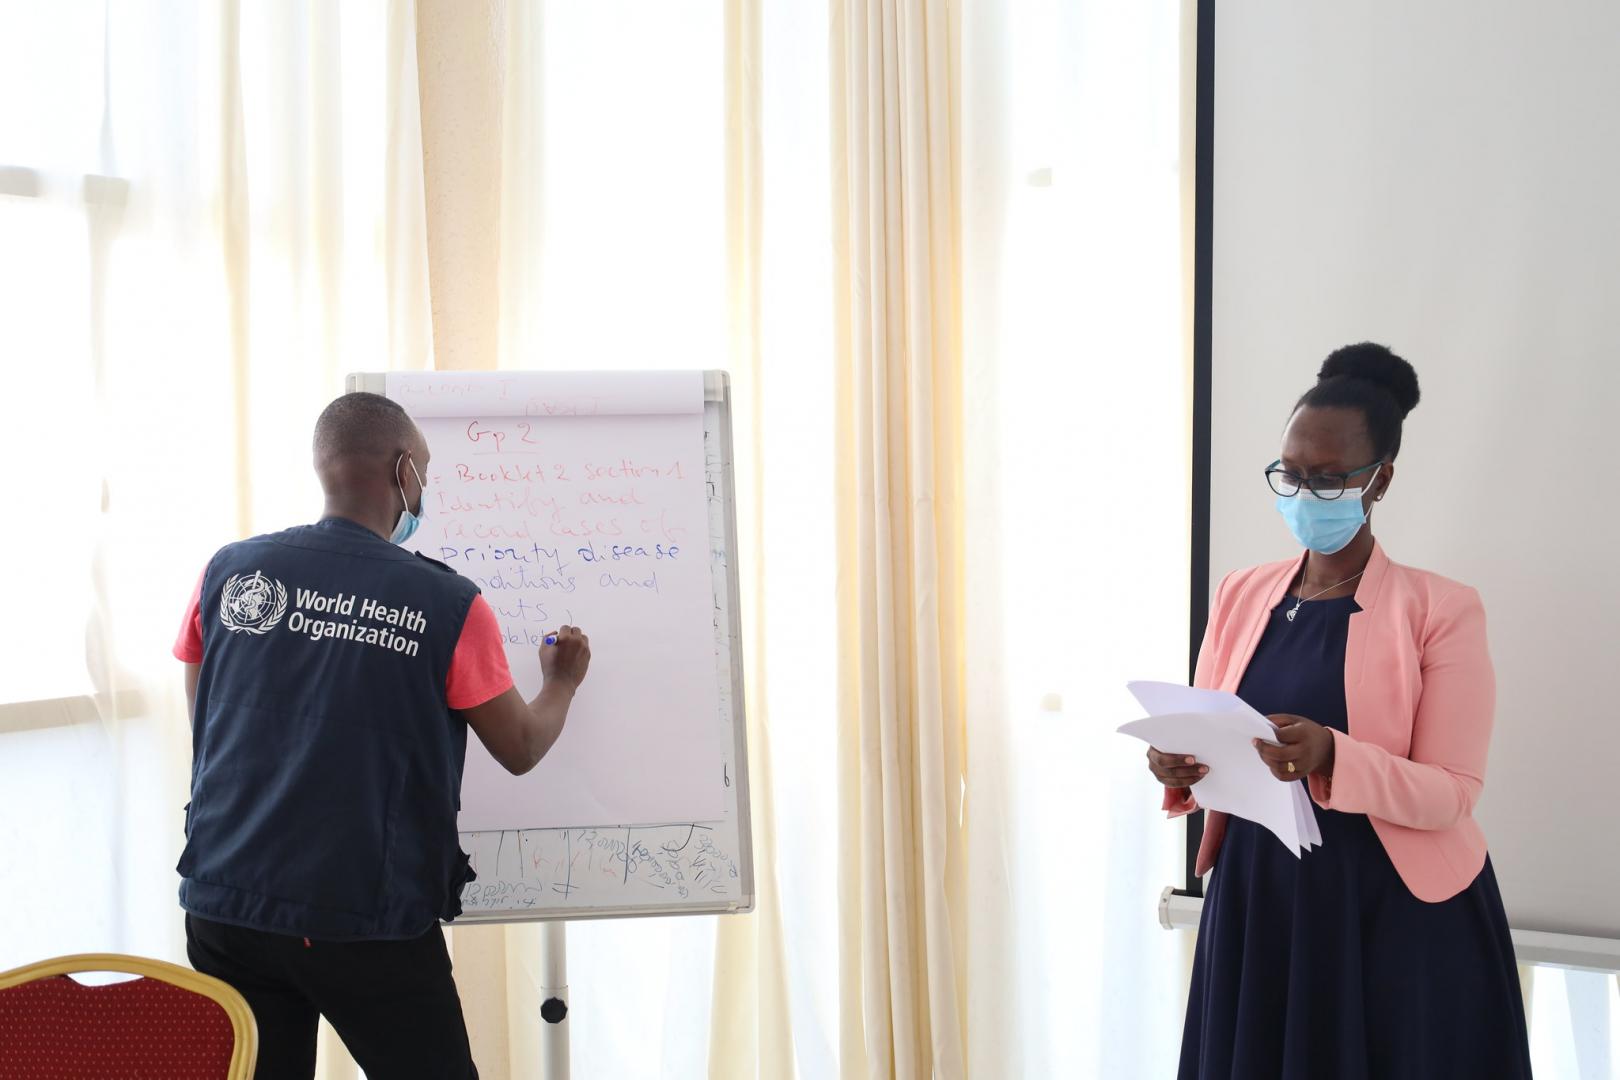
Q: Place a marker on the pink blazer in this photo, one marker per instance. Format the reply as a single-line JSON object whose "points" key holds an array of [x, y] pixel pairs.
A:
{"points": [[1420, 693]]}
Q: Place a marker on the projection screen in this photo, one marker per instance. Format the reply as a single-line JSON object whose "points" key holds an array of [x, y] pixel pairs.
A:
{"points": [[1444, 178]]}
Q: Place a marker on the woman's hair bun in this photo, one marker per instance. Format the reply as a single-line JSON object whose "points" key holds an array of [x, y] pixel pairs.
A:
{"points": [[1374, 364]]}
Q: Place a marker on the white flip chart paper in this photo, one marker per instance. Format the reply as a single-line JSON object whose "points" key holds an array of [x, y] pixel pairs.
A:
{"points": [[597, 519], [540, 395]]}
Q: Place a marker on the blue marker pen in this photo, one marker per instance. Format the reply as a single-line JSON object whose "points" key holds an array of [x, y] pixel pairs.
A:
{"points": [[551, 639]]}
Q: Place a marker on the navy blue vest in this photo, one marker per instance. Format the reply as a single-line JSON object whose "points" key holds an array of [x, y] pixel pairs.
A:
{"points": [[326, 764]]}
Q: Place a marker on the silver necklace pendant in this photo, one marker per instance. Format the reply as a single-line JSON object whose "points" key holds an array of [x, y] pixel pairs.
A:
{"points": [[1301, 601]]}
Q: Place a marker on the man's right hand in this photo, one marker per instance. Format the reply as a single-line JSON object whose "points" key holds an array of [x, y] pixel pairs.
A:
{"points": [[565, 663], [518, 733], [1175, 770]]}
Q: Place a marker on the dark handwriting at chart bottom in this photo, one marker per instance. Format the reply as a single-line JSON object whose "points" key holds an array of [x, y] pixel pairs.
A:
{"points": [[600, 861]]}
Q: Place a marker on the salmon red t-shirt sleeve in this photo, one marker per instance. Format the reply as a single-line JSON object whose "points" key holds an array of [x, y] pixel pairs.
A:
{"points": [[188, 645], [478, 668]]}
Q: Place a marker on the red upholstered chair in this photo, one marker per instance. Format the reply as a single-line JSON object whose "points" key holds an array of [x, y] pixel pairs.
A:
{"points": [[171, 1022]]}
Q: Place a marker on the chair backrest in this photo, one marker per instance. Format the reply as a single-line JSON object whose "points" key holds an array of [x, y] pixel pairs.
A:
{"points": [[170, 1022]]}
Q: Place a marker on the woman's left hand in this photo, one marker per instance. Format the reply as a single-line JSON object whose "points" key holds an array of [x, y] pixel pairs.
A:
{"points": [[1306, 745]]}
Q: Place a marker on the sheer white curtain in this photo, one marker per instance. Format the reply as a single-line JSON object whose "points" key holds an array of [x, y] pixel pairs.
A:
{"points": [[1077, 444], [208, 212]]}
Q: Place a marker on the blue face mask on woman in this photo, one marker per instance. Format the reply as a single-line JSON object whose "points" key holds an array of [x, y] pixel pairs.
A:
{"points": [[1326, 526], [408, 522]]}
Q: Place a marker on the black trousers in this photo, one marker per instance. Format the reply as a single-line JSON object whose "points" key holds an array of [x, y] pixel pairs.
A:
{"points": [[393, 1002]]}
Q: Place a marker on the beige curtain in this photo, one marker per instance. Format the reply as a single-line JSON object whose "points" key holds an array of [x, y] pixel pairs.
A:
{"points": [[751, 1034], [900, 527]]}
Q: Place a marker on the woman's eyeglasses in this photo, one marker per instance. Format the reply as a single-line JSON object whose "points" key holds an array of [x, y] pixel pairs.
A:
{"points": [[1325, 486]]}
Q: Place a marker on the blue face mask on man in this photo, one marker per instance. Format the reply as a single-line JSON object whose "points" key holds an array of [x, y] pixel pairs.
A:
{"points": [[1326, 526], [408, 522]]}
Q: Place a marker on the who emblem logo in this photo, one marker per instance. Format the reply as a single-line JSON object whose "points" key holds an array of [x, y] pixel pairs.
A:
{"points": [[252, 604]]}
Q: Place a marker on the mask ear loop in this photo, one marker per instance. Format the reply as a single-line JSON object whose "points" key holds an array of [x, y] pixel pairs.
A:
{"points": [[1376, 498], [421, 488], [419, 485], [403, 500]]}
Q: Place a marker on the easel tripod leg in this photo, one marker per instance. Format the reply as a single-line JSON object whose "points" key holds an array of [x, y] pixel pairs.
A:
{"points": [[554, 1001]]}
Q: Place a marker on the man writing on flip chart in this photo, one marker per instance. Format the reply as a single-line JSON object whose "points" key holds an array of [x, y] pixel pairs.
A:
{"points": [[332, 677]]}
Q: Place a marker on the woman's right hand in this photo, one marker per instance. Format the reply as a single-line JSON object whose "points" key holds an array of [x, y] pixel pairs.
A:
{"points": [[1175, 770]]}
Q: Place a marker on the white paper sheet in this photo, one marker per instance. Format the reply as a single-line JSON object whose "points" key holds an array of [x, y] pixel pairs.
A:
{"points": [[545, 394], [600, 522], [1310, 833], [1217, 728]]}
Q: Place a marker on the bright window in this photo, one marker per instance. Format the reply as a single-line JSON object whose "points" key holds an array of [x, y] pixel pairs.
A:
{"points": [[50, 58]]}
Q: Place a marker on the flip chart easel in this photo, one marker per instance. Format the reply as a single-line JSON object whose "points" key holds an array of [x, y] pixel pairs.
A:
{"points": [[581, 865]]}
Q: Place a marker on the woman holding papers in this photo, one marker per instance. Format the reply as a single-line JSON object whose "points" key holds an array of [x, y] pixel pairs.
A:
{"points": [[1383, 953]]}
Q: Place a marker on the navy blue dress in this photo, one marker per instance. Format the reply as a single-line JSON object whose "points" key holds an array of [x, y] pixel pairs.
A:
{"points": [[1326, 967]]}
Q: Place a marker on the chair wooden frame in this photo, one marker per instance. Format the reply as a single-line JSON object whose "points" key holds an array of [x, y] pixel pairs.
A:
{"points": [[245, 1046]]}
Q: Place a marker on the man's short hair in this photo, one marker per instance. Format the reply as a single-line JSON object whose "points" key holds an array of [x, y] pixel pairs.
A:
{"points": [[362, 425]]}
